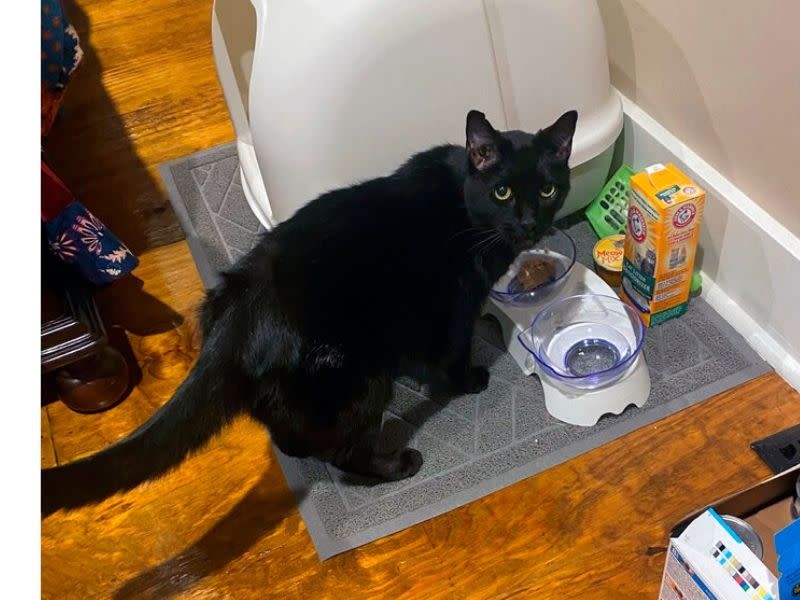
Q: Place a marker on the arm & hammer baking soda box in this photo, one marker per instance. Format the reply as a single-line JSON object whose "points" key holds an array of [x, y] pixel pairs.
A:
{"points": [[665, 209]]}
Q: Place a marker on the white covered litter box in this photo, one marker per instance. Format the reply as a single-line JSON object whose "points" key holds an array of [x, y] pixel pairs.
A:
{"points": [[324, 93]]}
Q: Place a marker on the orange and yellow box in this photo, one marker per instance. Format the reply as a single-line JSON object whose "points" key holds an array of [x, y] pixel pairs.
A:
{"points": [[665, 209]]}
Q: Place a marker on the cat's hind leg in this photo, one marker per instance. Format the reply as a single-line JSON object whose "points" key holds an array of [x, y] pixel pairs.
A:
{"points": [[335, 415], [361, 426]]}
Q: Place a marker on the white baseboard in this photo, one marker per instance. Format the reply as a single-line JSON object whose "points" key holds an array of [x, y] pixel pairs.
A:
{"points": [[757, 336], [750, 262]]}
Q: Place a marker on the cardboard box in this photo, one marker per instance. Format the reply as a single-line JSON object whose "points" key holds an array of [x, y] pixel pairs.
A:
{"points": [[665, 209], [707, 560]]}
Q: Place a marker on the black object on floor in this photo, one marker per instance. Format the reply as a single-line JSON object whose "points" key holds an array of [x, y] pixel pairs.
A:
{"points": [[780, 451]]}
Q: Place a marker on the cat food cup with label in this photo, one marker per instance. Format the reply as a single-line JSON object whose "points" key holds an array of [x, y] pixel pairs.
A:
{"points": [[608, 254]]}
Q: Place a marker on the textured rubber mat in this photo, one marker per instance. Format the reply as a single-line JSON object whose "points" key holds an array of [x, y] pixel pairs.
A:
{"points": [[473, 445]]}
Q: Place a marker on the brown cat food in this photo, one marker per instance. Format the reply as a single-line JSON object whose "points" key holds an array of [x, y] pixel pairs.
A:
{"points": [[536, 271]]}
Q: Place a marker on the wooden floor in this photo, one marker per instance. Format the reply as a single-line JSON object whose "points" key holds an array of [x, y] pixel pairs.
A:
{"points": [[224, 525]]}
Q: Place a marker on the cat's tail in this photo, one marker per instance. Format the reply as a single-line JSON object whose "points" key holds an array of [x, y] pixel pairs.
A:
{"points": [[202, 405]]}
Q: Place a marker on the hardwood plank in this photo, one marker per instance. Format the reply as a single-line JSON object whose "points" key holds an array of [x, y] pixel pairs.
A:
{"points": [[76, 435], [47, 448]]}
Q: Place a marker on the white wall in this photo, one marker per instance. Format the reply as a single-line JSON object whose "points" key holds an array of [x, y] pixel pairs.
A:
{"points": [[750, 262], [724, 77]]}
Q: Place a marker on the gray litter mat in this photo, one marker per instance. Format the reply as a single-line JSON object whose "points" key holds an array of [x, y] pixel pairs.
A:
{"points": [[473, 445]]}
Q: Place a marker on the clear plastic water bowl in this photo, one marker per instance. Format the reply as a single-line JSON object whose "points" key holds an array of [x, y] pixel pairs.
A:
{"points": [[587, 341], [557, 250]]}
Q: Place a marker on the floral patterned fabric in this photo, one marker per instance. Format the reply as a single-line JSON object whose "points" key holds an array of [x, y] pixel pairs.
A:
{"points": [[78, 238], [71, 231]]}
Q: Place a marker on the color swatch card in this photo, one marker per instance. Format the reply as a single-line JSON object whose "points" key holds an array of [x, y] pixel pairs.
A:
{"points": [[710, 561]]}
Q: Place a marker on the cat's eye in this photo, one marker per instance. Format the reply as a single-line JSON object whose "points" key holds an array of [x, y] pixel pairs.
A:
{"points": [[502, 192], [548, 191]]}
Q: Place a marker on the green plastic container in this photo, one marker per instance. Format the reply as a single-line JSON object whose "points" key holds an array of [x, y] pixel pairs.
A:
{"points": [[608, 212]]}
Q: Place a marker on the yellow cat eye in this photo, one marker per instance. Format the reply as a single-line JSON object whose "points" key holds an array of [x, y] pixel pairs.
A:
{"points": [[502, 192], [548, 191]]}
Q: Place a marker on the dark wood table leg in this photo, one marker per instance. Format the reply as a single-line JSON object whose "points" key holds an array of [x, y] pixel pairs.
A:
{"points": [[90, 375]]}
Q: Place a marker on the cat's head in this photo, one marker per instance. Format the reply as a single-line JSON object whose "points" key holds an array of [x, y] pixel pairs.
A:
{"points": [[517, 181]]}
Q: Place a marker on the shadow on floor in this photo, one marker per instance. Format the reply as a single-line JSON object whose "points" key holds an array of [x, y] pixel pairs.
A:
{"points": [[261, 510]]}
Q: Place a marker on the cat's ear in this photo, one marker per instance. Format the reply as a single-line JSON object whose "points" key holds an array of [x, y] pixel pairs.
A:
{"points": [[560, 134], [482, 142]]}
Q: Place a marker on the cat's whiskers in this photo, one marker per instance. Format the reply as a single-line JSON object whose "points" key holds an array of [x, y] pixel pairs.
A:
{"points": [[487, 242], [469, 230], [480, 242], [499, 238], [492, 243]]}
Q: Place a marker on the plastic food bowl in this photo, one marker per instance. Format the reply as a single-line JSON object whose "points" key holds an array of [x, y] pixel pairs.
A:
{"points": [[556, 247], [587, 341]]}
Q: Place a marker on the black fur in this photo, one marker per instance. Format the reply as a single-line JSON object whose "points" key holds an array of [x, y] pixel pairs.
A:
{"points": [[307, 332]]}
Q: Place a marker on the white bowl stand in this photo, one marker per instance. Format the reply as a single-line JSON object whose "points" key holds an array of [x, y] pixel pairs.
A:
{"points": [[565, 403]]}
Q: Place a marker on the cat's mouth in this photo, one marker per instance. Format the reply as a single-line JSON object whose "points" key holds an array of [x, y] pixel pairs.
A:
{"points": [[525, 241]]}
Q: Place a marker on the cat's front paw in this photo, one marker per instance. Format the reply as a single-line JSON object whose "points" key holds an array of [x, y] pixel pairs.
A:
{"points": [[410, 462], [476, 380]]}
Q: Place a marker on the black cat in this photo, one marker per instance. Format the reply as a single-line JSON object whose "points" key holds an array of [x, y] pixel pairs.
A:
{"points": [[307, 331]]}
